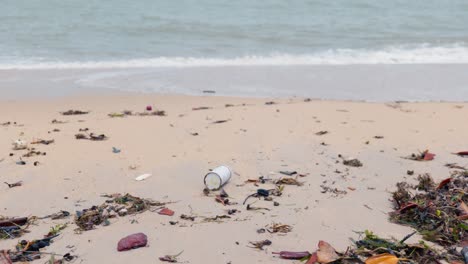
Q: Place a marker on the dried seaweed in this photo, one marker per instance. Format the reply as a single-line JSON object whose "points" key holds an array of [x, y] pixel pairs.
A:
{"points": [[74, 112], [434, 212], [289, 181], [119, 205], [279, 228], [260, 244]]}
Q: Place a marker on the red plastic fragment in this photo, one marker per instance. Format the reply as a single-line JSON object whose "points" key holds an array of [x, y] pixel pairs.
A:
{"points": [[166, 211]]}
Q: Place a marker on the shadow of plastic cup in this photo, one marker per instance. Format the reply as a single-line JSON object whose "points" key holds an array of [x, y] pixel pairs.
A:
{"points": [[216, 178]]}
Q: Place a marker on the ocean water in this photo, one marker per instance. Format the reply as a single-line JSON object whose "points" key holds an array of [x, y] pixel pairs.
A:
{"points": [[185, 33]]}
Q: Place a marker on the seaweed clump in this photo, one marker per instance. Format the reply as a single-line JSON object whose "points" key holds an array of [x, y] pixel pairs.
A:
{"points": [[437, 212]]}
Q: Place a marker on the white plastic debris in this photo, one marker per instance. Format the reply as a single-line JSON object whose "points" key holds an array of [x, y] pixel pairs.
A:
{"points": [[143, 177]]}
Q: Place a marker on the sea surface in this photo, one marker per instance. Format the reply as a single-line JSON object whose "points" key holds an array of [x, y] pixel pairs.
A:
{"points": [[122, 34]]}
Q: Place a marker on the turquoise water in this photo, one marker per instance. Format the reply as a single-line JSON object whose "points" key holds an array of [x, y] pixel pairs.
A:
{"points": [[121, 33]]}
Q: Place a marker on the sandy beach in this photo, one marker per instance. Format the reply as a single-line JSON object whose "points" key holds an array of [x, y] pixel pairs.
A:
{"points": [[178, 149]]}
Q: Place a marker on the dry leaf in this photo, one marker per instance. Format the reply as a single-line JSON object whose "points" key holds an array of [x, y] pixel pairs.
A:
{"points": [[382, 259], [326, 253]]}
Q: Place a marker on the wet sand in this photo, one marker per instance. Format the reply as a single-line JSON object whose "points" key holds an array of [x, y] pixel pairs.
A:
{"points": [[257, 140]]}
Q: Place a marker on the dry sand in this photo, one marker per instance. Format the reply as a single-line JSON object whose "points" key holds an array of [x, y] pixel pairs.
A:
{"points": [[258, 140]]}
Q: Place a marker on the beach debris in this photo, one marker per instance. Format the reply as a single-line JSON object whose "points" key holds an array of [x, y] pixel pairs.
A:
{"points": [[378, 137], [171, 258], [149, 108], [326, 253], [15, 184], [455, 166], [209, 91], [12, 227], [201, 108], [29, 250], [21, 162], [33, 152], [464, 253], [436, 211], [166, 211], [91, 136], [288, 173], [43, 141], [56, 121], [422, 156], [279, 228], [153, 113], [217, 218], [410, 172], [292, 254], [59, 215], [74, 112], [352, 162], [118, 205], [288, 181], [56, 230], [217, 178], [187, 217], [222, 200], [385, 258], [258, 193], [132, 242], [335, 191], [143, 177], [220, 121], [116, 150], [321, 133], [462, 153], [20, 144], [270, 103], [260, 244]]}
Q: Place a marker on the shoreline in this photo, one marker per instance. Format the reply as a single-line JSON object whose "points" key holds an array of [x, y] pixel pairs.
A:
{"points": [[371, 83]]}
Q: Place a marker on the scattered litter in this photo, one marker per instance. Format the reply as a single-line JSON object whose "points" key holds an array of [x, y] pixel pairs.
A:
{"points": [[21, 162], [91, 136], [119, 205], [33, 152], [289, 173], [352, 162], [455, 166], [43, 141], [422, 156], [260, 244], [55, 121], [115, 150], [187, 217], [292, 254], [270, 103], [166, 211], [321, 133], [143, 177], [171, 258], [15, 184], [130, 113], [279, 228], [462, 153], [220, 121], [378, 137], [132, 242], [289, 181], [209, 91], [149, 108], [20, 144], [201, 108], [74, 112], [59, 215], [218, 177]]}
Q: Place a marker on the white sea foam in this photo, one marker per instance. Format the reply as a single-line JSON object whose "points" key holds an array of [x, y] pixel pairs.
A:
{"points": [[423, 54]]}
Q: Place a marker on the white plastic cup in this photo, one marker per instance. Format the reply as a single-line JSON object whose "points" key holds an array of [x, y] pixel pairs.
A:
{"points": [[216, 178]]}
